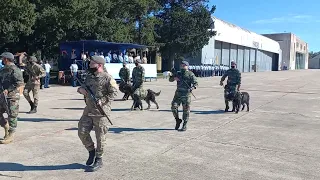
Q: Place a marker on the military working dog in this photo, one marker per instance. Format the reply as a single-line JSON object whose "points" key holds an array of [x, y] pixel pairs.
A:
{"points": [[149, 97], [245, 98], [235, 97], [126, 88]]}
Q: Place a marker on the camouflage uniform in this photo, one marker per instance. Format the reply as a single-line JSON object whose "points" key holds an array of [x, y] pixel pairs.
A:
{"points": [[35, 72], [104, 88], [138, 79], [11, 79], [187, 80], [234, 80], [124, 74]]}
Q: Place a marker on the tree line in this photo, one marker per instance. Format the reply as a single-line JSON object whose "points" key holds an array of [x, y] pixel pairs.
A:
{"points": [[176, 26]]}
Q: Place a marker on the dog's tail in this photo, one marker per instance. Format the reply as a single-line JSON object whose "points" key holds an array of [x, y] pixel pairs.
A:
{"points": [[158, 93]]}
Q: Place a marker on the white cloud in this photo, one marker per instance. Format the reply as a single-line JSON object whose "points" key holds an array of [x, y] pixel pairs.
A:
{"points": [[289, 19]]}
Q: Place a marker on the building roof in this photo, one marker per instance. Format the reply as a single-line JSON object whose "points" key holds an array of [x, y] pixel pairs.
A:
{"points": [[228, 32], [95, 44]]}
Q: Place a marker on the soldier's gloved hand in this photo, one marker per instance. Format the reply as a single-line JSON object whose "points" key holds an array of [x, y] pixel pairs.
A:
{"points": [[221, 83]]}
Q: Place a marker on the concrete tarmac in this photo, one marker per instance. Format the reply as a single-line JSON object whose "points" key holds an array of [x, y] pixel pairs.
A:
{"points": [[278, 138]]}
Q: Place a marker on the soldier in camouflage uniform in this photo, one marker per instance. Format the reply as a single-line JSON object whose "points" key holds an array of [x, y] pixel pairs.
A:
{"points": [[138, 79], [35, 72], [11, 80], [124, 75], [186, 82], [104, 87], [233, 83]]}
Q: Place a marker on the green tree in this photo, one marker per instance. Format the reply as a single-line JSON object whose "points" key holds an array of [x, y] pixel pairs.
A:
{"points": [[17, 18], [184, 27]]}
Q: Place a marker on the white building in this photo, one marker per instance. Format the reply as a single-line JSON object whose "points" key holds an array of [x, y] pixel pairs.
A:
{"points": [[251, 51]]}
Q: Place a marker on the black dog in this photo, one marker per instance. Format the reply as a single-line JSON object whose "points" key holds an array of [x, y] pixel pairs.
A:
{"points": [[126, 88], [245, 98], [235, 97], [151, 96]]}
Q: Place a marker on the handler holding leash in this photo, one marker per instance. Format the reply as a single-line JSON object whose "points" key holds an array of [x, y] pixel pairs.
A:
{"points": [[233, 83]]}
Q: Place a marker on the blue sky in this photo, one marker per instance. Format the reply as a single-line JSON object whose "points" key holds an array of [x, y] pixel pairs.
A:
{"points": [[301, 17]]}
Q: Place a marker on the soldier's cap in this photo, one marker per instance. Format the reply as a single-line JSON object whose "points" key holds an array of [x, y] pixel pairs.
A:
{"points": [[233, 62], [7, 55], [138, 60], [185, 63], [124, 63], [98, 59], [33, 59]]}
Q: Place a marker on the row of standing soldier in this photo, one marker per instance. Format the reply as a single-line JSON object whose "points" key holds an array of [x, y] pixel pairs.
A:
{"points": [[208, 70]]}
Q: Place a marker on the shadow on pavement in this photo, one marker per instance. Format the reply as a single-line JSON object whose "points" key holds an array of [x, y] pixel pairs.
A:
{"points": [[44, 119], [70, 108], [199, 112], [4, 166], [121, 109], [120, 130], [73, 99]]}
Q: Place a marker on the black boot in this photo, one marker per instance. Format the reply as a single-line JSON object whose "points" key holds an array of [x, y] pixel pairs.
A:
{"points": [[184, 127], [34, 110], [97, 165], [90, 160], [178, 122], [32, 106]]}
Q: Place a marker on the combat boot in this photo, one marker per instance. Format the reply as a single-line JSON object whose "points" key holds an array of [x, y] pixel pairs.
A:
{"points": [[9, 138], [97, 165], [90, 160], [34, 110], [6, 130], [31, 105], [178, 122], [184, 126]]}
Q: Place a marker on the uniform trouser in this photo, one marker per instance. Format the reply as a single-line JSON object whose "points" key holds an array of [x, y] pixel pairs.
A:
{"points": [[185, 100], [139, 92], [12, 115], [35, 90], [99, 124]]}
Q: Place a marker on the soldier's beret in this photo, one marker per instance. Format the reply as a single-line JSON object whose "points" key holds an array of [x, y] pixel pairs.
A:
{"points": [[98, 59], [33, 59], [7, 55], [185, 63]]}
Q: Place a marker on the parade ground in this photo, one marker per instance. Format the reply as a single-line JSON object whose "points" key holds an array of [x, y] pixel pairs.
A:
{"points": [[278, 138]]}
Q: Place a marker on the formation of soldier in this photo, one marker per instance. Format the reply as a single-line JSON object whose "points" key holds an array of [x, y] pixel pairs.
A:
{"points": [[208, 70], [100, 86]]}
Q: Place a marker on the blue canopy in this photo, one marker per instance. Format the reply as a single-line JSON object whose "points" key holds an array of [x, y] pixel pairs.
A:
{"points": [[92, 45]]}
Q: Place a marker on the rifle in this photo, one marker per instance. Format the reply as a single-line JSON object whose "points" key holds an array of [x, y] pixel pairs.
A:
{"points": [[174, 72], [94, 99], [4, 98]]}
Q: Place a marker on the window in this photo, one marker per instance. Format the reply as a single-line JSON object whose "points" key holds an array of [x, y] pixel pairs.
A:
{"points": [[297, 45], [301, 46]]}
